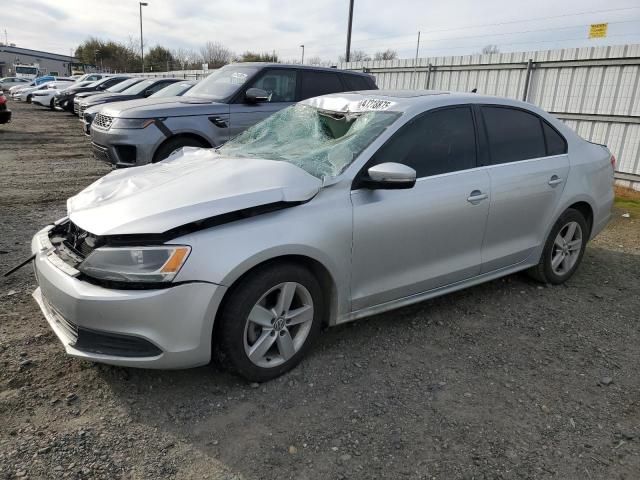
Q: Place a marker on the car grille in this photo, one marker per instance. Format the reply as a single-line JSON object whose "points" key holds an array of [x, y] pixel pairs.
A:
{"points": [[81, 110], [76, 106], [103, 121], [99, 152], [72, 242]]}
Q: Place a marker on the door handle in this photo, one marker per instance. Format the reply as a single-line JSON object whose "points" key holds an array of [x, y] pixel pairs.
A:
{"points": [[476, 196], [555, 180]]}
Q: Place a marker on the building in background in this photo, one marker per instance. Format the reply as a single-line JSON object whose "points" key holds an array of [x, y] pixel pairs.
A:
{"points": [[46, 63]]}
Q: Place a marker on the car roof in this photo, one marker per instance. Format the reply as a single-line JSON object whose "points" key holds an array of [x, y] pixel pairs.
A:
{"points": [[301, 67], [409, 101]]}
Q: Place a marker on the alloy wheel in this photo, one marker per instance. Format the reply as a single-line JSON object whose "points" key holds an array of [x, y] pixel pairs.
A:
{"points": [[278, 325], [566, 248]]}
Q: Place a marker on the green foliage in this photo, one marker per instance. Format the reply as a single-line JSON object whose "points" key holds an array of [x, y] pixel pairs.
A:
{"points": [[258, 57], [108, 55], [159, 59]]}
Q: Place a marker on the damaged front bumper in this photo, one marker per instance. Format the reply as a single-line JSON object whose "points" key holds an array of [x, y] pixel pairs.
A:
{"points": [[151, 328]]}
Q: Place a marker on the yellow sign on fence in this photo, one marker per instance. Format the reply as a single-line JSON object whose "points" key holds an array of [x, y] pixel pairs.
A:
{"points": [[598, 30]]}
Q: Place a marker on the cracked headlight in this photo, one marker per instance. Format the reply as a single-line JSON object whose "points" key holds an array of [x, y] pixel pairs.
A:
{"points": [[132, 122], [135, 264]]}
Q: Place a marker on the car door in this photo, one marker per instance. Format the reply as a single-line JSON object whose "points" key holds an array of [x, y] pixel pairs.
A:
{"points": [[409, 241], [528, 166], [279, 83]]}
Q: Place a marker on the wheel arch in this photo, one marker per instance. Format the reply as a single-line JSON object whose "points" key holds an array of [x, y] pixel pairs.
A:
{"points": [[317, 268], [587, 212], [191, 135]]}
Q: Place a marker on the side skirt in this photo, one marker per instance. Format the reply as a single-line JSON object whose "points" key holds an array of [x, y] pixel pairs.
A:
{"points": [[436, 292]]}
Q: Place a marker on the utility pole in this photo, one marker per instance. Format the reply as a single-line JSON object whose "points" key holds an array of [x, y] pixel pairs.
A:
{"points": [[348, 52], [415, 62], [302, 60], [142, 4], [6, 38]]}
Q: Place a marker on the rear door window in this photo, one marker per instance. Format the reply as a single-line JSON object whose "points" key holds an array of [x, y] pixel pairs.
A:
{"points": [[438, 142], [513, 134], [315, 84]]}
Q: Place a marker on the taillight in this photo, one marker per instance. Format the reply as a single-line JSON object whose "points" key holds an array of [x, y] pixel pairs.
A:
{"points": [[613, 162], [3, 99]]}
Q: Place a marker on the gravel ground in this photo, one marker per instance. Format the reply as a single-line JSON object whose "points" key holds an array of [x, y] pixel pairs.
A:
{"points": [[509, 379]]}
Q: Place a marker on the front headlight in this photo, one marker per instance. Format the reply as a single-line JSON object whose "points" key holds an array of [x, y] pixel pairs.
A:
{"points": [[136, 264], [132, 122]]}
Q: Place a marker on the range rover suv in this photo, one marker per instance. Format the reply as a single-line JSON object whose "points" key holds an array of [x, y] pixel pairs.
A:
{"points": [[218, 108]]}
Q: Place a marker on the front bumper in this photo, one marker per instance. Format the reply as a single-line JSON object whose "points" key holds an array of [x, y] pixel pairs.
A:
{"points": [[174, 323], [125, 147], [64, 103]]}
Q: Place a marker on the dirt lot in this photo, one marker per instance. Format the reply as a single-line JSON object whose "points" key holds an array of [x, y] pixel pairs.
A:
{"points": [[509, 379]]}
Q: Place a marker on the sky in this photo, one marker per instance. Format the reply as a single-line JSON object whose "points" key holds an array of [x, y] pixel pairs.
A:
{"points": [[451, 27]]}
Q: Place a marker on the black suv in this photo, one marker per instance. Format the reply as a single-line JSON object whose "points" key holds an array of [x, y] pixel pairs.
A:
{"points": [[64, 98]]}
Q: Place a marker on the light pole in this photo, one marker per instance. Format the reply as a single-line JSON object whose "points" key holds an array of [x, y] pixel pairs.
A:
{"points": [[142, 4], [348, 52], [95, 57], [302, 61]]}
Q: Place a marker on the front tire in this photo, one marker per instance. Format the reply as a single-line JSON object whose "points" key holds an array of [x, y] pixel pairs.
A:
{"points": [[563, 249], [28, 98], [269, 321], [174, 144]]}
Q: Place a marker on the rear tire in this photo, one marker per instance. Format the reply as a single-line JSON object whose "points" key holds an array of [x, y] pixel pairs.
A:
{"points": [[269, 321], [563, 249], [174, 144]]}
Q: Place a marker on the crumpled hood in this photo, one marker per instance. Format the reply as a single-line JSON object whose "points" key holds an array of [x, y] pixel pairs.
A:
{"points": [[189, 186], [166, 107]]}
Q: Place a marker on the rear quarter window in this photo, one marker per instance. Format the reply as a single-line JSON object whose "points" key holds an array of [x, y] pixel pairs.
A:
{"points": [[556, 144], [357, 82]]}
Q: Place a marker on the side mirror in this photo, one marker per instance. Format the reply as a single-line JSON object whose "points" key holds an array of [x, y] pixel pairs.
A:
{"points": [[256, 95], [390, 176]]}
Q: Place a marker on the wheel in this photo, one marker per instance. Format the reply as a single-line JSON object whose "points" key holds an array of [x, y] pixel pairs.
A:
{"points": [[28, 98], [563, 249], [174, 144], [51, 105], [269, 321]]}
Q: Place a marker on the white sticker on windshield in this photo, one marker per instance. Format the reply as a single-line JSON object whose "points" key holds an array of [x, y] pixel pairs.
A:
{"points": [[374, 104], [238, 78]]}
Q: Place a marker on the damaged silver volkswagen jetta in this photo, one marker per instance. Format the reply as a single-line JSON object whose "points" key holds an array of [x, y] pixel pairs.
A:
{"points": [[334, 209]]}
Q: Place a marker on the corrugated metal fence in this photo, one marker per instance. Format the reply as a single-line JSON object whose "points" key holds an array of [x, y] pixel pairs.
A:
{"points": [[595, 90]]}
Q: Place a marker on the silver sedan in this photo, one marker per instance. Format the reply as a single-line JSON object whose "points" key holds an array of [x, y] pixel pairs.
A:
{"points": [[334, 209]]}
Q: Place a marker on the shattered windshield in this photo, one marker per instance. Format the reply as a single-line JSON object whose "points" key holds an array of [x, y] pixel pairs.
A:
{"points": [[321, 142]]}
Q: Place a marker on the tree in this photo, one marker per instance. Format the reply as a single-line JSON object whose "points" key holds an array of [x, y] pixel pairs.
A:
{"points": [[158, 59], [215, 54], [258, 57], [108, 55], [315, 61], [356, 56], [187, 58], [489, 49], [388, 54]]}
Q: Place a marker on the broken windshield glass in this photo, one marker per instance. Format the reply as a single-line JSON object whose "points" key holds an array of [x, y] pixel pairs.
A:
{"points": [[321, 142]]}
